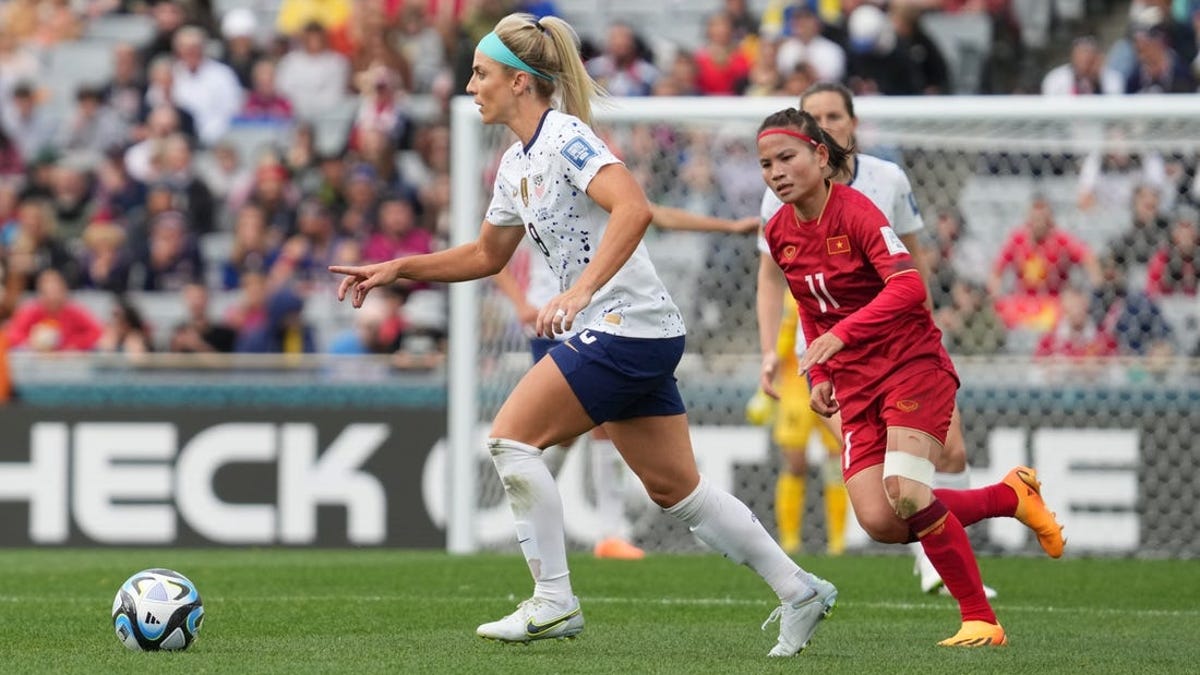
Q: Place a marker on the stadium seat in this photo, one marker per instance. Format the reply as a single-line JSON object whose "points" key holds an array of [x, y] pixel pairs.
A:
{"points": [[965, 40], [71, 64], [135, 29]]}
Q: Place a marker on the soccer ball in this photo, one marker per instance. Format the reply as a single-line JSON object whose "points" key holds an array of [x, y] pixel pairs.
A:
{"points": [[157, 609]]}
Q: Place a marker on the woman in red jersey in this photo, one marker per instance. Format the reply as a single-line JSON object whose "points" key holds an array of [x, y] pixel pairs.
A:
{"points": [[873, 343]]}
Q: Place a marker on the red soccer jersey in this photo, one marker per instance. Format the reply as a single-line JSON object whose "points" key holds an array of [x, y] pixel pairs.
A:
{"points": [[836, 266], [1042, 267]]}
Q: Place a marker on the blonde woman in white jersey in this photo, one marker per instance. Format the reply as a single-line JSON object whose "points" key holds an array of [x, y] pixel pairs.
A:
{"points": [[886, 185], [586, 214], [607, 478]]}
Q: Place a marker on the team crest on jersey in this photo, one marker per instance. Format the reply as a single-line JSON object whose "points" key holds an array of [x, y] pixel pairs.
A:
{"points": [[837, 245], [578, 151], [789, 252], [539, 186]]}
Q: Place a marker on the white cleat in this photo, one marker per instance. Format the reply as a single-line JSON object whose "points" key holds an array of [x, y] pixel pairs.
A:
{"points": [[536, 619], [931, 581], [798, 621]]}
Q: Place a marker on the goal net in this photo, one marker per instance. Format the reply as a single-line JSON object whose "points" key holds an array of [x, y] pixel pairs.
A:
{"points": [[1109, 423]]}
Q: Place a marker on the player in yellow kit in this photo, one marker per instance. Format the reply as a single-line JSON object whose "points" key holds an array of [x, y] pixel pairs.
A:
{"points": [[794, 425]]}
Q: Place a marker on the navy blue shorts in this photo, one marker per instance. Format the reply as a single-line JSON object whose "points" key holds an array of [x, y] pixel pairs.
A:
{"points": [[540, 346], [619, 378]]}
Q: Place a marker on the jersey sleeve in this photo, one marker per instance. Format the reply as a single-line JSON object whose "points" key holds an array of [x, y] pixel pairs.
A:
{"points": [[906, 214], [502, 210], [582, 155], [879, 242]]}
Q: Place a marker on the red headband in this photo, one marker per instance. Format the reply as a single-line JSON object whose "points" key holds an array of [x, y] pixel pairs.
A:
{"points": [[789, 132]]}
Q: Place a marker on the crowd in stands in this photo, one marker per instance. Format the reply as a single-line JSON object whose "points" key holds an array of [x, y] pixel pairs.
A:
{"points": [[139, 183]]}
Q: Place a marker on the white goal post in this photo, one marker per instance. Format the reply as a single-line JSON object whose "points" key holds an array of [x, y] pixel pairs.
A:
{"points": [[952, 136]]}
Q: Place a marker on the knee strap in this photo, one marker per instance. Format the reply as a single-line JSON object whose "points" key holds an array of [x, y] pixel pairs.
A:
{"points": [[904, 465]]}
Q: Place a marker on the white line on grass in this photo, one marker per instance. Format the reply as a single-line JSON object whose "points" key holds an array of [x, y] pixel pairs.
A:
{"points": [[617, 600]]}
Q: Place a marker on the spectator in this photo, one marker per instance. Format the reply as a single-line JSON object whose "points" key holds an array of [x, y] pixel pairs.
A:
{"points": [[1148, 231], [160, 92], [328, 184], [952, 255], [284, 332], [1042, 259], [140, 158], [224, 175], [1076, 334], [969, 325], [1134, 320], [94, 127], [51, 322], [620, 69], [398, 234], [765, 78], [314, 78], [892, 55], [381, 110], [126, 331], [805, 44], [36, 248], [377, 327], [168, 18], [1159, 69], [71, 195], [304, 258], [1084, 74], [362, 191], [28, 123], [1175, 268], [205, 87], [273, 193], [117, 193], [251, 252], [265, 103], [198, 333], [249, 313], [721, 67], [1107, 179], [240, 53], [682, 79], [171, 260], [422, 47], [105, 260], [191, 195], [744, 22], [126, 91]]}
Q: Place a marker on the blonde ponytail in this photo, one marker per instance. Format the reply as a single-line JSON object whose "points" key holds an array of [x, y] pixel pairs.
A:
{"points": [[551, 46]]}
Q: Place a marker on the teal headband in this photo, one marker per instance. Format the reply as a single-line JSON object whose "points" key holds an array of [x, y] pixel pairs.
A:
{"points": [[494, 48]]}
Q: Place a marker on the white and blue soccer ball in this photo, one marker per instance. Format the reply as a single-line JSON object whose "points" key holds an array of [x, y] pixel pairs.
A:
{"points": [[157, 609]]}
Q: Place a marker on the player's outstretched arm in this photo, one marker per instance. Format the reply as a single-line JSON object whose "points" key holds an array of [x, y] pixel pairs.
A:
{"points": [[483, 257], [913, 243], [769, 307], [670, 218]]}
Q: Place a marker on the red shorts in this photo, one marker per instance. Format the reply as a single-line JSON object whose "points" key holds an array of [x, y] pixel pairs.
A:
{"points": [[921, 400]]}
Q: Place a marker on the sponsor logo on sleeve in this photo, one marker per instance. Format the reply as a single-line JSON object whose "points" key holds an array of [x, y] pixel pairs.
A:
{"points": [[578, 151]]}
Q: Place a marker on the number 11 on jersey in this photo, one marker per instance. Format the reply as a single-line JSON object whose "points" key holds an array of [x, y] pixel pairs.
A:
{"points": [[824, 298]]}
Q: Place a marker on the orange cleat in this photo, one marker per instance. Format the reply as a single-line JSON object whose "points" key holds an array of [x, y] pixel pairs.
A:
{"points": [[977, 634], [618, 549], [1032, 511]]}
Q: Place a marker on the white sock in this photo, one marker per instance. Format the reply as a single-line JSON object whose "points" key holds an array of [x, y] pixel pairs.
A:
{"points": [[723, 522], [538, 512], [607, 481]]}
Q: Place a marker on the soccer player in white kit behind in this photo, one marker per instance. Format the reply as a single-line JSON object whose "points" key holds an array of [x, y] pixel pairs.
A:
{"points": [[587, 215], [886, 185]]}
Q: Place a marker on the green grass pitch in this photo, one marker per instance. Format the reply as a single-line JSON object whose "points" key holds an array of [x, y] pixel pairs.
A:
{"points": [[375, 611]]}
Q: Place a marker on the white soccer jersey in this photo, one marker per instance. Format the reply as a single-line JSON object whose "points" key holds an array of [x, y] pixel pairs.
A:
{"points": [[543, 188], [885, 184]]}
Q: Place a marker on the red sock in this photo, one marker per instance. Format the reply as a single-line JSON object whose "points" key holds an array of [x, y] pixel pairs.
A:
{"points": [[945, 542], [972, 506]]}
